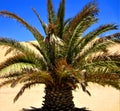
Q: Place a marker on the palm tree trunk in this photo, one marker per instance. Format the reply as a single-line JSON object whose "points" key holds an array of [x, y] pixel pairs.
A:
{"points": [[58, 99]]}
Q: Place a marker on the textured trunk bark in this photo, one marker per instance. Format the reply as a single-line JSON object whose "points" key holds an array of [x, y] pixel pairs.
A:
{"points": [[58, 99]]}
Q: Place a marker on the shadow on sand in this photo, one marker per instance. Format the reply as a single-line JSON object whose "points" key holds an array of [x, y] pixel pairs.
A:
{"points": [[39, 109]]}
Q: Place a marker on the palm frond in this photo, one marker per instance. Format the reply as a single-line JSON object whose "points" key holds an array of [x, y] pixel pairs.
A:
{"points": [[92, 35], [42, 23], [77, 34], [25, 86], [33, 30], [70, 76], [29, 75], [66, 73], [51, 48], [66, 25], [12, 60], [6, 82], [85, 89], [90, 10], [67, 21], [15, 69], [29, 54], [99, 47], [20, 58], [60, 19], [105, 79], [54, 45], [38, 48], [102, 56], [101, 29], [115, 37], [105, 66], [51, 13], [9, 50]]}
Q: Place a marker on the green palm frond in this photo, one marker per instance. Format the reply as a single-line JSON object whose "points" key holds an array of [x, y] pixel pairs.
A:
{"points": [[100, 47], [106, 66], [26, 51], [106, 72], [33, 30], [45, 27], [54, 46], [12, 60], [61, 10], [36, 79], [115, 37], [105, 79], [101, 29], [51, 12], [60, 19], [22, 59], [90, 10], [38, 76], [77, 36], [92, 35], [51, 48], [66, 25], [32, 75], [67, 21], [28, 75], [15, 68], [102, 56], [38, 48]]}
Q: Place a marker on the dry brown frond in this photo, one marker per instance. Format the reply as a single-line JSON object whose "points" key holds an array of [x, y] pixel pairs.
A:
{"points": [[6, 82], [61, 62], [25, 86]]}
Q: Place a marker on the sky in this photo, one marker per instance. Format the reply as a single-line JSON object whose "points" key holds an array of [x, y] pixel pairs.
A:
{"points": [[109, 13]]}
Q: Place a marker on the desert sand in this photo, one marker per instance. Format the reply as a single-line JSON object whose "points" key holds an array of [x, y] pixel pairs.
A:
{"points": [[102, 99]]}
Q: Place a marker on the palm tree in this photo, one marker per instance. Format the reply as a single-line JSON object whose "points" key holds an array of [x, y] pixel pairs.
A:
{"points": [[66, 58]]}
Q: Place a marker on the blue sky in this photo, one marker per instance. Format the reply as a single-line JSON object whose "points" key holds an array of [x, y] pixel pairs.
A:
{"points": [[109, 13]]}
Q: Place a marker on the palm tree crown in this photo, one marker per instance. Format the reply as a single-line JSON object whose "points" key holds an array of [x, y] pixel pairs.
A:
{"points": [[66, 56]]}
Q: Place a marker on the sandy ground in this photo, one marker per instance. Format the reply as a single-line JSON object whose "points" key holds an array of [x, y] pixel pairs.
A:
{"points": [[102, 99]]}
